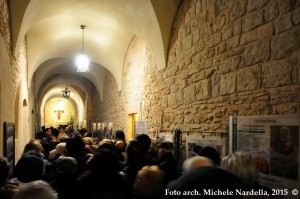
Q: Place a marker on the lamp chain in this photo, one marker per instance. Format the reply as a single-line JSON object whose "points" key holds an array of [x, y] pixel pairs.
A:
{"points": [[82, 27]]}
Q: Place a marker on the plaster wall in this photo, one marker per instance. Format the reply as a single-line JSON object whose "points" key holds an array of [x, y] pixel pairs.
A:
{"points": [[13, 92]]}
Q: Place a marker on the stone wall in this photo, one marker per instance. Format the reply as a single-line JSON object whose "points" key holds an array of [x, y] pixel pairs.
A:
{"points": [[238, 57]]}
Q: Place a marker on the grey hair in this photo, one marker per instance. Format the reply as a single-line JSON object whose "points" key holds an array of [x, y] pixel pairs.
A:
{"points": [[196, 161], [36, 190], [239, 163]]}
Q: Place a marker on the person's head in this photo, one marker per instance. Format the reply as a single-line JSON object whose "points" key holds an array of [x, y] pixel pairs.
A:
{"points": [[196, 161], [39, 135], [120, 135], [65, 165], [35, 145], [36, 190], [149, 181], [75, 145], [88, 141], [240, 164], [8, 191], [197, 149], [165, 147], [106, 145], [145, 140], [104, 160], [76, 134], [4, 169], [134, 150], [210, 153], [120, 146], [48, 131], [60, 148], [30, 167], [62, 135]]}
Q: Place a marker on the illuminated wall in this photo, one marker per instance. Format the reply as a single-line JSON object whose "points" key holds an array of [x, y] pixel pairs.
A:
{"points": [[58, 111]]}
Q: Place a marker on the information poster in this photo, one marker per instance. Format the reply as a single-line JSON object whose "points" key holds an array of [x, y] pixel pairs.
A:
{"points": [[273, 143], [216, 141], [140, 127]]}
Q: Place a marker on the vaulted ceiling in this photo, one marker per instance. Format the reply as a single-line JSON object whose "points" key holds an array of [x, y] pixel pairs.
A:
{"points": [[53, 36]]}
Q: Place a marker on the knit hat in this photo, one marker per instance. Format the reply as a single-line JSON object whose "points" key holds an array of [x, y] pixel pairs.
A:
{"points": [[210, 153], [65, 165], [166, 145], [29, 168]]}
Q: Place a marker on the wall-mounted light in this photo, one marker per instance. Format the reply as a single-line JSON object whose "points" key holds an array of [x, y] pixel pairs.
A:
{"points": [[81, 60]]}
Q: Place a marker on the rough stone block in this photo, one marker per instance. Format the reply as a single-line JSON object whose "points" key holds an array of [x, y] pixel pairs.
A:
{"points": [[172, 71], [183, 74], [238, 9], [257, 52], [179, 97], [296, 15], [214, 39], [202, 16], [256, 5], [198, 8], [230, 65], [271, 11], [169, 82], [181, 32], [197, 58], [249, 78], [164, 103], [189, 118], [258, 33], [228, 83], [220, 21], [227, 32], [196, 36], [174, 88], [285, 43], [200, 46], [203, 89], [182, 84], [237, 27], [285, 6], [252, 20], [171, 100], [191, 13], [221, 6], [277, 73], [189, 94], [194, 25], [205, 30], [283, 22], [205, 63], [221, 48], [187, 42], [233, 42], [194, 68], [179, 119]]}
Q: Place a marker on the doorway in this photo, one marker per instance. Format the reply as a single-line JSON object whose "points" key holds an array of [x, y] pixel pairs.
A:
{"points": [[131, 120]]}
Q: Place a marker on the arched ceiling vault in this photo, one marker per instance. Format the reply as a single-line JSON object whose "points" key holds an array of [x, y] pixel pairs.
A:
{"points": [[53, 34]]}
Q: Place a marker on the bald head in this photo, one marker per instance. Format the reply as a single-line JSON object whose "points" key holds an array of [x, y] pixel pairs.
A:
{"points": [[120, 145], [196, 161]]}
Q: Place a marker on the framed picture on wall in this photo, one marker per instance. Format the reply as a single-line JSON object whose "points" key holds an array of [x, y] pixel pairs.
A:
{"points": [[9, 144]]}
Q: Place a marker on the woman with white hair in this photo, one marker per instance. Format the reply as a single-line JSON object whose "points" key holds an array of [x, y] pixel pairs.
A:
{"points": [[240, 164], [36, 190]]}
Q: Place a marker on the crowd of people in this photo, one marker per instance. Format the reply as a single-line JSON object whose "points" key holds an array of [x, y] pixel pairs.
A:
{"points": [[63, 165]]}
